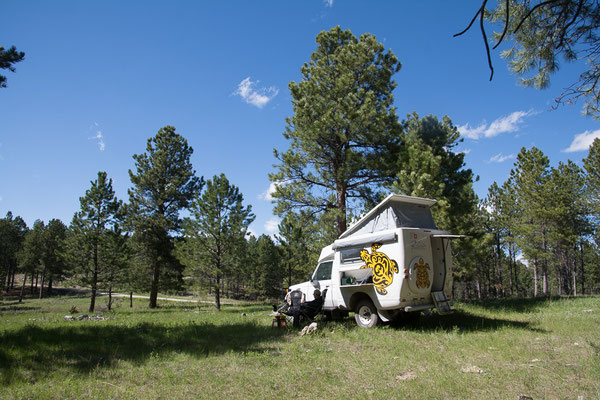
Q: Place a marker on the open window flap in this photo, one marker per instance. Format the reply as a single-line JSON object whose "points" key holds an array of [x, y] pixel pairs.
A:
{"points": [[448, 236]]}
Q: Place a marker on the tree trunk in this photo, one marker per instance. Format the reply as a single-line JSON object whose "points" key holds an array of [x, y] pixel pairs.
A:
{"points": [[582, 271], [130, 299], [49, 292], [93, 299], [544, 266], [109, 298], [154, 285], [535, 278], [341, 222], [23, 288], [510, 271], [12, 281], [516, 268], [42, 283], [218, 293]]}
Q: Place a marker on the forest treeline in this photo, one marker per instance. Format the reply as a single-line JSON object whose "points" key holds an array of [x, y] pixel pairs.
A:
{"points": [[535, 234]]}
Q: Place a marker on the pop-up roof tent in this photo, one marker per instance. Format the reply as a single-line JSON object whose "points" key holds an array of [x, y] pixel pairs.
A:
{"points": [[396, 211]]}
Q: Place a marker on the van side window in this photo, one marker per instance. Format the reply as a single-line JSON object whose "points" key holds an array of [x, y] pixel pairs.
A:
{"points": [[324, 271], [350, 255]]}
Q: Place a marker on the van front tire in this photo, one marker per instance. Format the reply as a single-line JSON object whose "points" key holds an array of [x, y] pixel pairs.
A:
{"points": [[365, 314]]}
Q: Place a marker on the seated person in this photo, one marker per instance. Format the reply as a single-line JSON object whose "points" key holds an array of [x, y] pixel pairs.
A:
{"points": [[314, 306]]}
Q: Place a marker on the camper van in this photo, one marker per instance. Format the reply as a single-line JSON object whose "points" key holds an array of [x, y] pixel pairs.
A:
{"points": [[390, 265]]}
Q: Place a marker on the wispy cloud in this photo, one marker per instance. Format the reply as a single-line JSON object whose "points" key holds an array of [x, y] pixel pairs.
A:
{"points": [[272, 225], [98, 136], [268, 194], [1, 198], [582, 141], [328, 3], [508, 123], [250, 232], [256, 97], [499, 158]]}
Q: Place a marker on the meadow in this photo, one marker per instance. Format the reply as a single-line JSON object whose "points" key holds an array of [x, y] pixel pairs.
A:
{"points": [[541, 348]]}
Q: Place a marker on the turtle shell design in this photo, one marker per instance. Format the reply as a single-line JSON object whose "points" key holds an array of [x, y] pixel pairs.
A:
{"points": [[421, 269], [383, 267]]}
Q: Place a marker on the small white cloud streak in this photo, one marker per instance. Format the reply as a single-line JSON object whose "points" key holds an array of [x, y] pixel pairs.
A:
{"points": [[328, 3], [250, 232], [256, 97], [268, 194], [272, 225], [1, 198], [99, 137], [509, 123], [499, 158], [582, 141]]}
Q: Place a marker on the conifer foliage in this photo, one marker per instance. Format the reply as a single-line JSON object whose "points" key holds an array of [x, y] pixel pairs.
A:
{"points": [[164, 183]]}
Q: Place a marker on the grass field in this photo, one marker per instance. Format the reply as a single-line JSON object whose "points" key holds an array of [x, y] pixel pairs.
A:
{"points": [[542, 348]]}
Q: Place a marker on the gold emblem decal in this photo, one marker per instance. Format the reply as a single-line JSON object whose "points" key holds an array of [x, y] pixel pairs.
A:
{"points": [[422, 275], [383, 267]]}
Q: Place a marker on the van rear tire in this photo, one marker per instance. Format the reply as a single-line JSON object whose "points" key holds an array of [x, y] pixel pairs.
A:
{"points": [[365, 314]]}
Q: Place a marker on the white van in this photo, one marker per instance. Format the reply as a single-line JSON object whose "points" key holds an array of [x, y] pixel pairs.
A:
{"points": [[391, 264]]}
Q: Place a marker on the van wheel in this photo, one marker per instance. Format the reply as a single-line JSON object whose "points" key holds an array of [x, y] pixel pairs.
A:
{"points": [[366, 314]]}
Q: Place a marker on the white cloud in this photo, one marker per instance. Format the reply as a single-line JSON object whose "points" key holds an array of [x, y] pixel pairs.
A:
{"points": [[250, 232], [498, 158], [272, 225], [256, 97], [268, 194], [582, 141], [1, 198], [328, 3], [509, 123], [98, 136], [465, 151]]}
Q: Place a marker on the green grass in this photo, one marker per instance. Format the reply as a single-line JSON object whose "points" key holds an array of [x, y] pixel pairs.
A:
{"points": [[543, 348]]}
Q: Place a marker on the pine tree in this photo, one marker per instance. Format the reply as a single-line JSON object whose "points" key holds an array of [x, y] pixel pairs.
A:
{"points": [[164, 183], [91, 241], [344, 129], [215, 232]]}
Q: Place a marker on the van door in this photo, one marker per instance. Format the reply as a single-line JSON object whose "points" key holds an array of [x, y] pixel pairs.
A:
{"points": [[322, 280]]}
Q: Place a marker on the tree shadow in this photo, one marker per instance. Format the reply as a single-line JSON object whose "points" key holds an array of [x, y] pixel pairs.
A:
{"points": [[458, 321], [463, 321], [517, 304], [37, 351], [16, 307]]}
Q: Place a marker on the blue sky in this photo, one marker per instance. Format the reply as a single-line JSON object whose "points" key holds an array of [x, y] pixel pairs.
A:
{"points": [[101, 77]]}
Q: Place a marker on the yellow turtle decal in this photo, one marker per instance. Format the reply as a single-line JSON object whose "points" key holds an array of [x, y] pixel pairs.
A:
{"points": [[422, 275], [383, 267]]}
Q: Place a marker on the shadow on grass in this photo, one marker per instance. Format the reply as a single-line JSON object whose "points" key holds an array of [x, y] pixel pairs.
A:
{"points": [[517, 304], [37, 351], [458, 321], [466, 322], [10, 307]]}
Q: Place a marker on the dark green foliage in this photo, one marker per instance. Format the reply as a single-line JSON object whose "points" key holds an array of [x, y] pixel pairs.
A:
{"points": [[215, 233], [12, 235], [95, 245], [56, 266], [270, 267], [164, 182], [429, 166], [343, 130], [7, 59]]}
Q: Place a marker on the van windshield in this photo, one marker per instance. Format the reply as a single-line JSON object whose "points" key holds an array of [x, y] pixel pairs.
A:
{"points": [[324, 271]]}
